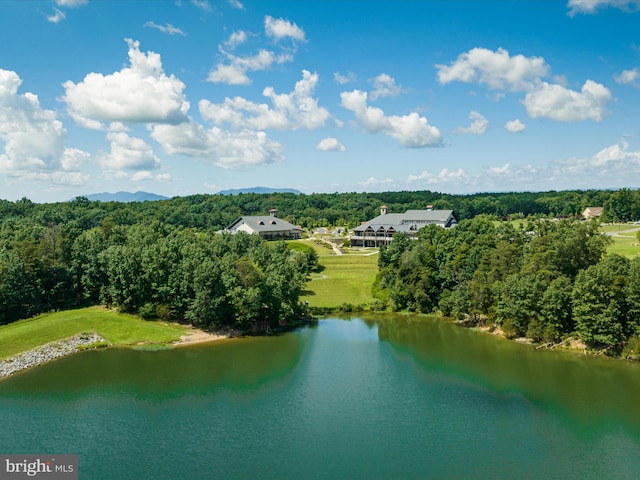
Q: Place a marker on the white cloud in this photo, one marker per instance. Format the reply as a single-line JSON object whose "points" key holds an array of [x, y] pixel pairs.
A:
{"points": [[71, 3], [166, 28], [515, 126], [202, 4], [330, 144], [592, 6], [410, 130], [292, 111], [342, 79], [559, 103], [222, 148], [629, 77], [32, 138], [144, 175], [497, 69], [128, 153], [478, 125], [616, 159], [141, 93], [236, 38], [445, 176], [237, 4], [281, 28], [57, 16], [373, 182], [235, 72], [385, 86]]}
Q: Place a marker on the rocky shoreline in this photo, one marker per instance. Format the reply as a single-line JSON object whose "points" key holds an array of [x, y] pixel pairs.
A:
{"points": [[48, 352]]}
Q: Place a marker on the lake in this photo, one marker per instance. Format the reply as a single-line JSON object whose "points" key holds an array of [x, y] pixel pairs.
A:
{"points": [[390, 396]]}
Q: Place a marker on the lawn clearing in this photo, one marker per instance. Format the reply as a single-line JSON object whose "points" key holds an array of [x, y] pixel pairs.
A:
{"points": [[116, 328], [344, 279]]}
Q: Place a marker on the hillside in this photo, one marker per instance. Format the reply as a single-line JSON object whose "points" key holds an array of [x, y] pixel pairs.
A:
{"points": [[125, 197]]}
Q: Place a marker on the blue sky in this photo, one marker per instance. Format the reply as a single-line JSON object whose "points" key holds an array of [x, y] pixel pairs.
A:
{"points": [[195, 96]]}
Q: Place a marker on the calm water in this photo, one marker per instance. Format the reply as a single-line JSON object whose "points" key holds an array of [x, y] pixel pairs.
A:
{"points": [[391, 397]]}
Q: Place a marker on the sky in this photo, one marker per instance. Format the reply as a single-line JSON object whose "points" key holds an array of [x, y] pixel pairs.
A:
{"points": [[196, 96]]}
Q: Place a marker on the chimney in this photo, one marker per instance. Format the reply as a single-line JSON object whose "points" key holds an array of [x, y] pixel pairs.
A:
{"points": [[273, 212], [383, 210], [429, 208]]}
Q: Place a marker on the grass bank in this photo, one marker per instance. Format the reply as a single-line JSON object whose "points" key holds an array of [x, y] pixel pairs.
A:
{"points": [[116, 328], [344, 278]]}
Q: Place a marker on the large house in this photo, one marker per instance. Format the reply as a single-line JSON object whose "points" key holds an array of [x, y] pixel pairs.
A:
{"points": [[269, 227], [592, 212], [380, 230]]}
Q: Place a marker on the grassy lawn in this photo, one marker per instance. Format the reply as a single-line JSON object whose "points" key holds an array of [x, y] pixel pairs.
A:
{"points": [[116, 328], [345, 278], [625, 242]]}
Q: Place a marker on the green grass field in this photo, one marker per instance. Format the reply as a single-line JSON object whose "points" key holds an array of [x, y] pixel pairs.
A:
{"points": [[344, 279], [625, 241], [116, 328]]}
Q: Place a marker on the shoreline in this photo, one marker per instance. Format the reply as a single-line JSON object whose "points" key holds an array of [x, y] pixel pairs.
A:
{"points": [[49, 352], [196, 336]]}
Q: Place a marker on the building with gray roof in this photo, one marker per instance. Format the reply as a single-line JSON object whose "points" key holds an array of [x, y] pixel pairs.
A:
{"points": [[380, 230], [269, 227]]}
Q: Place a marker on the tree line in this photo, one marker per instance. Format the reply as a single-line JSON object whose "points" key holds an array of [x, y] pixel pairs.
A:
{"points": [[153, 269], [322, 209], [544, 280]]}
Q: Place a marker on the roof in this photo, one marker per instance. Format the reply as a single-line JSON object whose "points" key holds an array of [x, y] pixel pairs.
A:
{"points": [[402, 221], [263, 223]]}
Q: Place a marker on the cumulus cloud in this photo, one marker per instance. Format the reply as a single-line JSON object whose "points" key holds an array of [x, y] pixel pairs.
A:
{"points": [[280, 28], [234, 68], [385, 86], [497, 70], [140, 93], [128, 153], [614, 160], [291, 111], [592, 6], [224, 149], [410, 130], [560, 103], [629, 77], [236, 38], [235, 72], [57, 16], [166, 28], [342, 79], [515, 126], [478, 125], [330, 144], [443, 177], [32, 139]]}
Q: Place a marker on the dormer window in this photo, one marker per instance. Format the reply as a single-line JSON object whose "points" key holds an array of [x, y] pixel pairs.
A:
{"points": [[272, 222], [260, 222]]}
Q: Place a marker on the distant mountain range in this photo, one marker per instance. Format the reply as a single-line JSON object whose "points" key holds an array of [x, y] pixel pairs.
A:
{"points": [[235, 191], [124, 197]]}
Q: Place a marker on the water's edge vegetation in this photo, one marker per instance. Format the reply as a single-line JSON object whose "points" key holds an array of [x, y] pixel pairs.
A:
{"points": [[551, 282]]}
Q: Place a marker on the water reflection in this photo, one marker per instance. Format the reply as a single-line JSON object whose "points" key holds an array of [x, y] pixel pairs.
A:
{"points": [[226, 365], [588, 390]]}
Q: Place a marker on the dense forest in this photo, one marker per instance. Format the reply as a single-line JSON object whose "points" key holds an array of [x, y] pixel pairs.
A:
{"points": [[165, 259], [545, 280], [153, 269]]}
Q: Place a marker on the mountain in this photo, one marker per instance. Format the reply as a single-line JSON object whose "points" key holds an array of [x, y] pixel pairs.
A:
{"points": [[261, 190], [124, 197]]}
